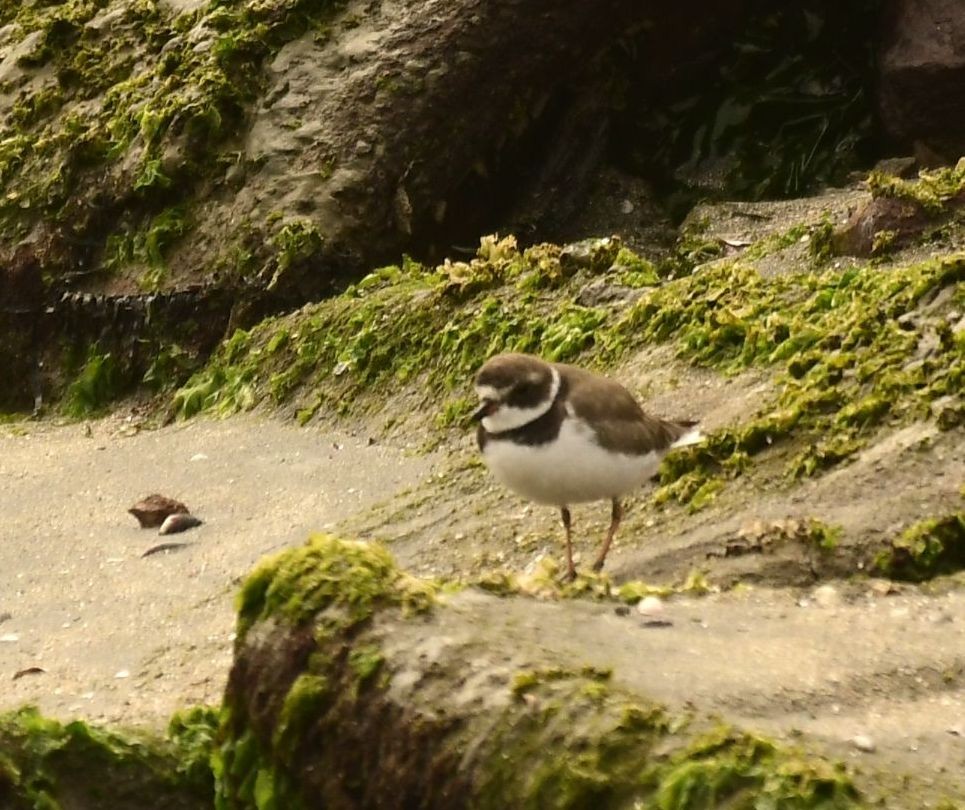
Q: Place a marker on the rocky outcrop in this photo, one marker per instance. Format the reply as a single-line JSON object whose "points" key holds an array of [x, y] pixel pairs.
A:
{"points": [[357, 686], [45, 763], [41, 336], [901, 212], [922, 76]]}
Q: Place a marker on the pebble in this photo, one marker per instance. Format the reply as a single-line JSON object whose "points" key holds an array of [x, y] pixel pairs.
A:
{"points": [[863, 743], [650, 606], [826, 596]]}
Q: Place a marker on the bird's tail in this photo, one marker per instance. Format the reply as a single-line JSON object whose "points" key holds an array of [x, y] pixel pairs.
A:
{"points": [[691, 435]]}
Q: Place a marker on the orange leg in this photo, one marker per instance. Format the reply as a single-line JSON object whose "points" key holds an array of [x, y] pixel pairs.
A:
{"points": [[615, 517], [570, 574]]}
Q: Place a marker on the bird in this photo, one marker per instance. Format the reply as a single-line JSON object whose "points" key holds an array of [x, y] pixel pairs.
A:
{"points": [[557, 434]]}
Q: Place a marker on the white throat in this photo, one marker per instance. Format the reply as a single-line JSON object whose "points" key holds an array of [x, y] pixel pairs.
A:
{"points": [[510, 418]]}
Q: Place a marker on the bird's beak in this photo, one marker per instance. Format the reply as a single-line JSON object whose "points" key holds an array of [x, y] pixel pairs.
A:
{"points": [[486, 407]]}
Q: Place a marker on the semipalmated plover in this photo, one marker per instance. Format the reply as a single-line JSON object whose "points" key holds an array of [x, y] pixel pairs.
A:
{"points": [[560, 435]]}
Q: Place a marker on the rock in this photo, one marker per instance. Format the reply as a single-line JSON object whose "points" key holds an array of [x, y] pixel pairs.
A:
{"points": [[178, 522], [826, 596], [922, 76], [334, 642], [861, 235], [883, 587], [599, 292], [590, 254], [154, 510]]}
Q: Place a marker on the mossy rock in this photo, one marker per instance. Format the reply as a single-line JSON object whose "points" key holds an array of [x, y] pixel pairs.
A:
{"points": [[927, 549], [51, 765], [322, 710], [844, 344]]}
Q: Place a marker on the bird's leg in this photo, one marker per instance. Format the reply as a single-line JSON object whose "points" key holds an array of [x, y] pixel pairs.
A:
{"points": [[570, 574], [615, 517]]}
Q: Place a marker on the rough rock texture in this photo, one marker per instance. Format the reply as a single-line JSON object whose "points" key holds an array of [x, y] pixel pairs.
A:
{"points": [[44, 763], [355, 686], [257, 156], [902, 219], [922, 68], [348, 692]]}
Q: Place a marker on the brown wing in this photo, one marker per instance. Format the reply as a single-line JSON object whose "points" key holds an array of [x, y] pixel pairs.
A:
{"points": [[618, 420]]}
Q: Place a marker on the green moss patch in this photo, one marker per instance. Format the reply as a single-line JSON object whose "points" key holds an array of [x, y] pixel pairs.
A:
{"points": [[851, 350], [94, 386], [140, 105], [50, 765], [935, 191], [926, 549], [587, 745], [400, 324], [352, 577]]}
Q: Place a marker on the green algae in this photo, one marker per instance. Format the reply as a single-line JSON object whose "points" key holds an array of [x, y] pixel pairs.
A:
{"points": [[307, 697], [366, 661], [849, 362], [145, 103], [776, 243], [95, 385], [351, 576], [295, 243], [634, 271], [609, 750], [927, 549], [848, 345], [52, 765], [935, 191], [399, 324], [528, 680], [727, 766], [247, 778]]}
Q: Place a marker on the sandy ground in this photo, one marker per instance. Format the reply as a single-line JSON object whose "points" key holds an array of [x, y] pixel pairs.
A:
{"points": [[121, 637]]}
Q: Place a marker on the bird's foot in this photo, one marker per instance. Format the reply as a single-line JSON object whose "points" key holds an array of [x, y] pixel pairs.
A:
{"points": [[567, 576], [598, 565]]}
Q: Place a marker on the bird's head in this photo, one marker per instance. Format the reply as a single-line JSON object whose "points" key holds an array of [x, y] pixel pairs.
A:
{"points": [[513, 390]]}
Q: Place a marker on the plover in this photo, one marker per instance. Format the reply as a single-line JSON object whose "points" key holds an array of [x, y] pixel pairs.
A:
{"points": [[560, 435]]}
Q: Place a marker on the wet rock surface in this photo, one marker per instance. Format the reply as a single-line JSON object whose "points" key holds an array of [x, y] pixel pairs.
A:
{"points": [[922, 73]]}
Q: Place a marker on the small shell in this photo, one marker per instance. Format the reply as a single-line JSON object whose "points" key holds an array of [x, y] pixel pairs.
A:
{"points": [[178, 523]]}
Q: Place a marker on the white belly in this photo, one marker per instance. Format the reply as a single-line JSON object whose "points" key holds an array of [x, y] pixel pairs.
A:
{"points": [[572, 469]]}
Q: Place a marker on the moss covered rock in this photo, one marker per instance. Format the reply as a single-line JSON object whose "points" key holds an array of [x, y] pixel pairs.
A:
{"points": [[326, 707], [54, 766]]}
